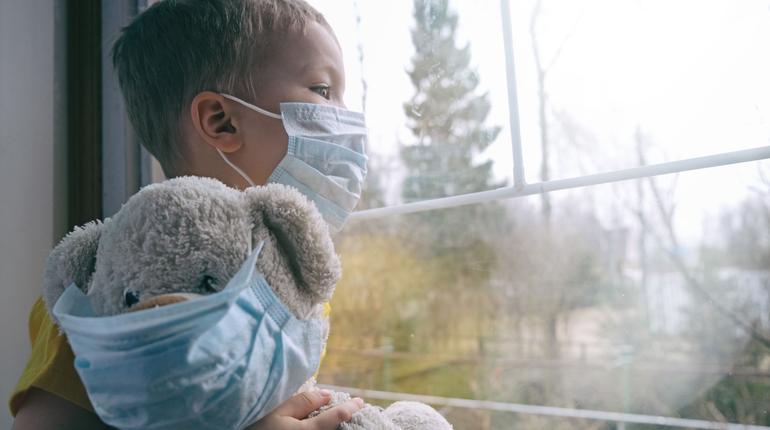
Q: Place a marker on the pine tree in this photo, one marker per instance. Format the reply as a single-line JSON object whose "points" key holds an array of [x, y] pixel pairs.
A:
{"points": [[445, 114], [447, 118]]}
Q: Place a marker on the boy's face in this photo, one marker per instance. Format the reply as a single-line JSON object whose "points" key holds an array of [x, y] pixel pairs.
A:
{"points": [[304, 67]]}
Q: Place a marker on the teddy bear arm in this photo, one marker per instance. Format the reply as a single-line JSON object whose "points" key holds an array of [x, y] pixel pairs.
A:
{"points": [[409, 415], [369, 418]]}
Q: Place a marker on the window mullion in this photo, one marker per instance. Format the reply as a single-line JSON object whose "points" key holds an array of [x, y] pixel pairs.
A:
{"points": [[716, 160], [513, 102]]}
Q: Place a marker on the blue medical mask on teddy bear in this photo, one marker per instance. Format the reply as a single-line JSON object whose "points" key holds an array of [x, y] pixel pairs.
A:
{"points": [[325, 160], [221, 361]]}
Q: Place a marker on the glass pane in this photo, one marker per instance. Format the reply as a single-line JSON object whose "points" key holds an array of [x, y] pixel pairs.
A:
{"points": [[628, 82], [649, 297], [442, 138]]}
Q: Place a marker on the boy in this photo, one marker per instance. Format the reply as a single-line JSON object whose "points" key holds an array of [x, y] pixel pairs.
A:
{"points": [[174, 63]]}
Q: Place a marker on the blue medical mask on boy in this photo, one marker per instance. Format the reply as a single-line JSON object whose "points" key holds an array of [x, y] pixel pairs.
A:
{"points": [[325, 160], [221, 361]]}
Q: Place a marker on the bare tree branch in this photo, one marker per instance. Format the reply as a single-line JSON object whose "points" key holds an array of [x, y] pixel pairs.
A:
{"points": [[364, 84], [542, 72], [715, 412], [543, 119], [565, 40]]}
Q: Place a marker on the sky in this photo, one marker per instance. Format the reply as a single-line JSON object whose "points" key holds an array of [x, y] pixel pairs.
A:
{"points": [[692, 75]]}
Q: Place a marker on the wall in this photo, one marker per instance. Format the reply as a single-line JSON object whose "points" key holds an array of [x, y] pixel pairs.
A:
{"points": [[32, 169]]}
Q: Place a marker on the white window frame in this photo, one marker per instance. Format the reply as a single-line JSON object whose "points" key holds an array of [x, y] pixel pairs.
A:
{"points": [[521, 188]]}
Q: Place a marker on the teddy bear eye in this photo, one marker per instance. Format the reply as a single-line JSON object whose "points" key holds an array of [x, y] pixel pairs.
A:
{"points": [[131, 298], [209, 284]]}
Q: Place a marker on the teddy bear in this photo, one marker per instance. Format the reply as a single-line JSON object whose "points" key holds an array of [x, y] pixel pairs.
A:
{"points": [[186, 237]]}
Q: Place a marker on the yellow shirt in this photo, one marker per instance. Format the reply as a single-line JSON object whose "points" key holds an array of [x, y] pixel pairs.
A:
{"points": [[51, 362]]}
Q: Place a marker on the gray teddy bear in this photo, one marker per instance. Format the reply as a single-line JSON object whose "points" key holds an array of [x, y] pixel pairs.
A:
{"points": [[186, 237]]}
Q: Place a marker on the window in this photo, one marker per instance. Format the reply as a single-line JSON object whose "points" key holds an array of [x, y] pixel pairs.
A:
{"points": [[623, 283], [566, 221]]}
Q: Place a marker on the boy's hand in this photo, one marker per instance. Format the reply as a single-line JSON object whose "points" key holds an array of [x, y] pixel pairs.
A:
{"points": [[290, 415]]}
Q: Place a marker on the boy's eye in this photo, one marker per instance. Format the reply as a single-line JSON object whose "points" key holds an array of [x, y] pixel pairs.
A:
{"points": [[322, 90], [209, 284], [130, 298]]}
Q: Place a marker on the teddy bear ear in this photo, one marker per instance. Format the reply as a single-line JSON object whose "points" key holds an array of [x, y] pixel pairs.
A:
{"points": [[301, 234], [72, 260]]}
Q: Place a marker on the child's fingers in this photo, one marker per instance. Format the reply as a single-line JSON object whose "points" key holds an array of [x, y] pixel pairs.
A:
{"points": [[329, 420], [302, 404]]}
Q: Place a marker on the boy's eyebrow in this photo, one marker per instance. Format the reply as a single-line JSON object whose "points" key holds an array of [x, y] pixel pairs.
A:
{"points": [[313, 67]]}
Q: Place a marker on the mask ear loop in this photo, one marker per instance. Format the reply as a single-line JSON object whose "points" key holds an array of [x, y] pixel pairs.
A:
{"points": [[240, 172], [257, 109], [252, 107]]}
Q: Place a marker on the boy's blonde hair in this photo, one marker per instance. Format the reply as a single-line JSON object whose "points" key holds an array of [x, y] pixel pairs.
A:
{"points": [[178, 48]]}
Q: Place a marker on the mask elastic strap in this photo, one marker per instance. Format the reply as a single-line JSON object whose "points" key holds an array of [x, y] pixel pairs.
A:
{"points": [[252, 107], [240, 172]]}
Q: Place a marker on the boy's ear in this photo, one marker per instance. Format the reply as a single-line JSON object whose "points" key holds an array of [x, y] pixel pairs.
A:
{"points": [[213, 121], [72, 260]]}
